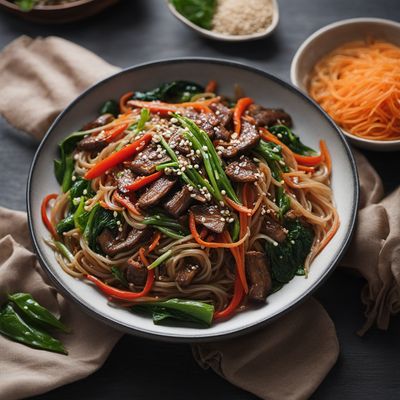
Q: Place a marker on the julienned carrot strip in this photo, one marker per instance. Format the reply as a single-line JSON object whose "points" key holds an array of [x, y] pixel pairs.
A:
{"points": [[104, 205], [166, 108], [211, 86], [118, 157], [238, 291], [240, 108], [199, 240], [239, 208], [43, 210], [306, 169], [126, 202], [143, 258], [122, 102], [155, 242], [309, 161], [325, 155], [143, 181], [123, 294]]}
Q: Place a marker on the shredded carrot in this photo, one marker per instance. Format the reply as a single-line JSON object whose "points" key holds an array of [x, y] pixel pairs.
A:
{"points": [[43, 210], [358, 85], [325, 155], [122, 102], [214, 245], [238, 207], [211, 86], [306, 169], [104, 205], [154, 243], [143, 258], [113, 133], [331, 233], [240, 108], [126, 202]]}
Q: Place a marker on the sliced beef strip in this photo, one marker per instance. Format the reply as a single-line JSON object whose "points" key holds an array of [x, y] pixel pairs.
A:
{"points": [[146, 161], [156, 191], [249, 137], [112, 245], [242, 170], [99, 121], [179, 202], [269, 116], [136, 272], [178, 143], [258, 276], [209, 216], [208, 122], [186, 274], [273, 229], [124, 178], [223, 113]]}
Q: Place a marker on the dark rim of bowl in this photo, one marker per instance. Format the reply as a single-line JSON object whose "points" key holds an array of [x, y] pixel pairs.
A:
{"points": [[176, 338]]}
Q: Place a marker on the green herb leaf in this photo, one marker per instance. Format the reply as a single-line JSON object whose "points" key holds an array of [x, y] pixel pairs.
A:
{"points": [[65, 225], [109, 107], [32, 310], [172, 92], [15, 328], [288, 257], [200, 12], [177, 309], [286, 136]]}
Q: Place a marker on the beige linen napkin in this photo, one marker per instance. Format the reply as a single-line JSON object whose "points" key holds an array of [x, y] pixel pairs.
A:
{"points": [[25, 371], [257, 362]]}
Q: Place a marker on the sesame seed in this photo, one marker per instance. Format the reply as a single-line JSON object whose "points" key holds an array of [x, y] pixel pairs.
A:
{"points": [[115, 214]]}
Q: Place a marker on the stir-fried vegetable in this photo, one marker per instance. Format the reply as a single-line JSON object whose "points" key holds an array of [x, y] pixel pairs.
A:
{"points": [[65, 225], [109, 107], [99, 219], [286, 136], [171, 92], [287, 258], [272, 153], [176, 309], [238, 112]]}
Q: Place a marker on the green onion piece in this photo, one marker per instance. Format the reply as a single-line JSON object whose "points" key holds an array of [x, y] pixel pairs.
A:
{"points": [[160, 260], [64, 251], [169, 232], [171, 164]]}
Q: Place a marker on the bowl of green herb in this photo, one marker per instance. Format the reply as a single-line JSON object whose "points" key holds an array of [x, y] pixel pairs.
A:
{"points": [[55, 11], [228, 20]]}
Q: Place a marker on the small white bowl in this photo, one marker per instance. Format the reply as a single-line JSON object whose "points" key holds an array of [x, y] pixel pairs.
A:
{"points": [[330, 37], [229, 38]]}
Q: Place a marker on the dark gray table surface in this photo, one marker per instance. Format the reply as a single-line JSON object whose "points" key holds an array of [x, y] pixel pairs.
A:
{"points": [[139, 31]]}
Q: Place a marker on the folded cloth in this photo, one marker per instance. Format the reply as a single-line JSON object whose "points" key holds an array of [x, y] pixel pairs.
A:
{"points": [[257, 362], [24, 371]]}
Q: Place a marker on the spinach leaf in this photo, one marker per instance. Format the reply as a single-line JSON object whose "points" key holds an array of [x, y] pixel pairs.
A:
{"points": [[62, 166], [78, 189], [172, 92], [282, 200], [288, 257], [109, 107], [286, 136], [98, 220], [119, 276], [65, 225], [200, 12], [272, 153], [176, 309]]}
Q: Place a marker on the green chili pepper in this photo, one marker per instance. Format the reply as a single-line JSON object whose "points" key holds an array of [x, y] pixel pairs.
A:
{"points": [[14, 327], [30, 308]]}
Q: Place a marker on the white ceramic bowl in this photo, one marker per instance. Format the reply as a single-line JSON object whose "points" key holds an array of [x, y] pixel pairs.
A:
{"points": [[327, 39], [310, 122], [228, 38]]}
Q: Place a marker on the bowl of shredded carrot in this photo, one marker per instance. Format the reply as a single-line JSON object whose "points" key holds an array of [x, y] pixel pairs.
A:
{"points": [[351, 68]]}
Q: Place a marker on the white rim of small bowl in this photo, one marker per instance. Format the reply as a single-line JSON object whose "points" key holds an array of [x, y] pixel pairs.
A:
{"points": [[294, 66], [229, 38]]}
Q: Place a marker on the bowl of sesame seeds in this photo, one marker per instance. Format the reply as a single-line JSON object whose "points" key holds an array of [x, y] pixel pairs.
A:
{"points": [[228, 20]]}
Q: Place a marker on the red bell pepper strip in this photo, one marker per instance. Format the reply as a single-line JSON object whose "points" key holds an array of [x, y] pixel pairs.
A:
{"points": [[43, 210], [123, 294], [240, 108], [118, 157], [122, 102], [113, 133], [143, 181]]}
